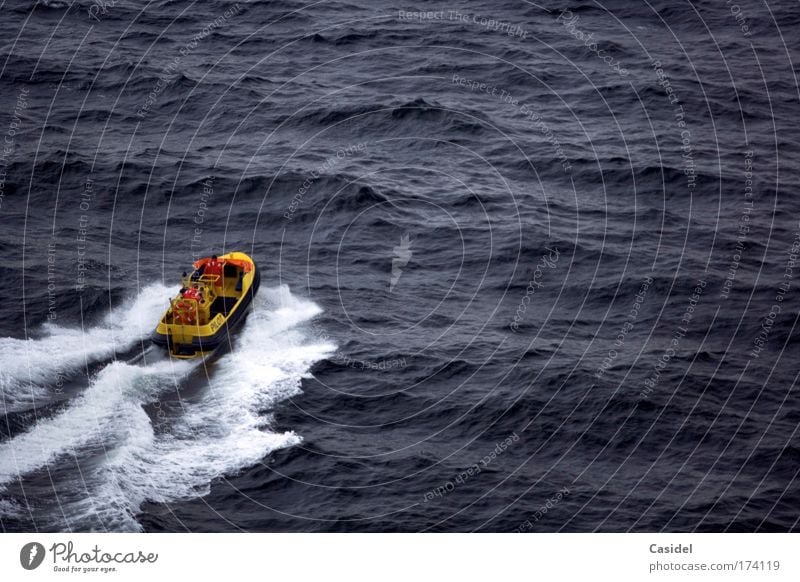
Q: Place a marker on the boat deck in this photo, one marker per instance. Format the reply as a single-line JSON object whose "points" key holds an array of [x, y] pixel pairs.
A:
{"points": [[222, 305]]}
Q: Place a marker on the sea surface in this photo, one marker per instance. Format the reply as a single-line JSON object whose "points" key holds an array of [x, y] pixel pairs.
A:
{"points": [[526, 266]]}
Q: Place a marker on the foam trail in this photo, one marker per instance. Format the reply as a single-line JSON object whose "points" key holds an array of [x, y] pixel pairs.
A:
{"points": [[223, 430], [112, 400], [29, 368]]}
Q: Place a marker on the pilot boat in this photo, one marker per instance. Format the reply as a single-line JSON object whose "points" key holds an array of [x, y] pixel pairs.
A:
{"points": [[213, 301]]}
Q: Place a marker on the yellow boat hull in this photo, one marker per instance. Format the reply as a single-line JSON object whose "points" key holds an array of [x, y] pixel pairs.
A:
{"points": [[214, 317]]}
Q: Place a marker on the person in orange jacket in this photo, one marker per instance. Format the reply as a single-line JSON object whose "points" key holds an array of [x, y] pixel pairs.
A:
{"points": [[184, 311], [214, 267], [191, 293]]}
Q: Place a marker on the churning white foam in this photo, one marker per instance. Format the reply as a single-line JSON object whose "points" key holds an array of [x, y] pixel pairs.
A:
{"points": [[30, 369], [107, 407], [221, 431]]}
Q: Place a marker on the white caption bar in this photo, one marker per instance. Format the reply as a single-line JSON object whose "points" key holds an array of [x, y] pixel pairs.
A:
{"points": [[400, 557]]}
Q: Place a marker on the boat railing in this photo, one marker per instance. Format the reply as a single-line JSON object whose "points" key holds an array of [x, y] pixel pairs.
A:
{"points": [[197, 309], [206, 284]]}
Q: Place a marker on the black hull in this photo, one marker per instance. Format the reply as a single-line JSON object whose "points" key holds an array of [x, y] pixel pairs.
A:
{"points": [[222, 335]]}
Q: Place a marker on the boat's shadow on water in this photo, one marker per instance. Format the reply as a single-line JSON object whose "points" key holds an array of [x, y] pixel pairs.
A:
{"points": [[187, 390]]}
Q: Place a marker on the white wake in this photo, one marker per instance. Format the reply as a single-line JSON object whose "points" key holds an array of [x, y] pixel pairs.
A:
{"points": [[31, 369], [221, 431]]}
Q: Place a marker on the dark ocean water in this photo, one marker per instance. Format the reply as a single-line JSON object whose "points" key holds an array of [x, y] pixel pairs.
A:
{"points": [[523, 269]]}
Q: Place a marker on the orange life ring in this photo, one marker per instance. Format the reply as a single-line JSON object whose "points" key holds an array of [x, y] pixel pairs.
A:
{"points": [[185, 312]]}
